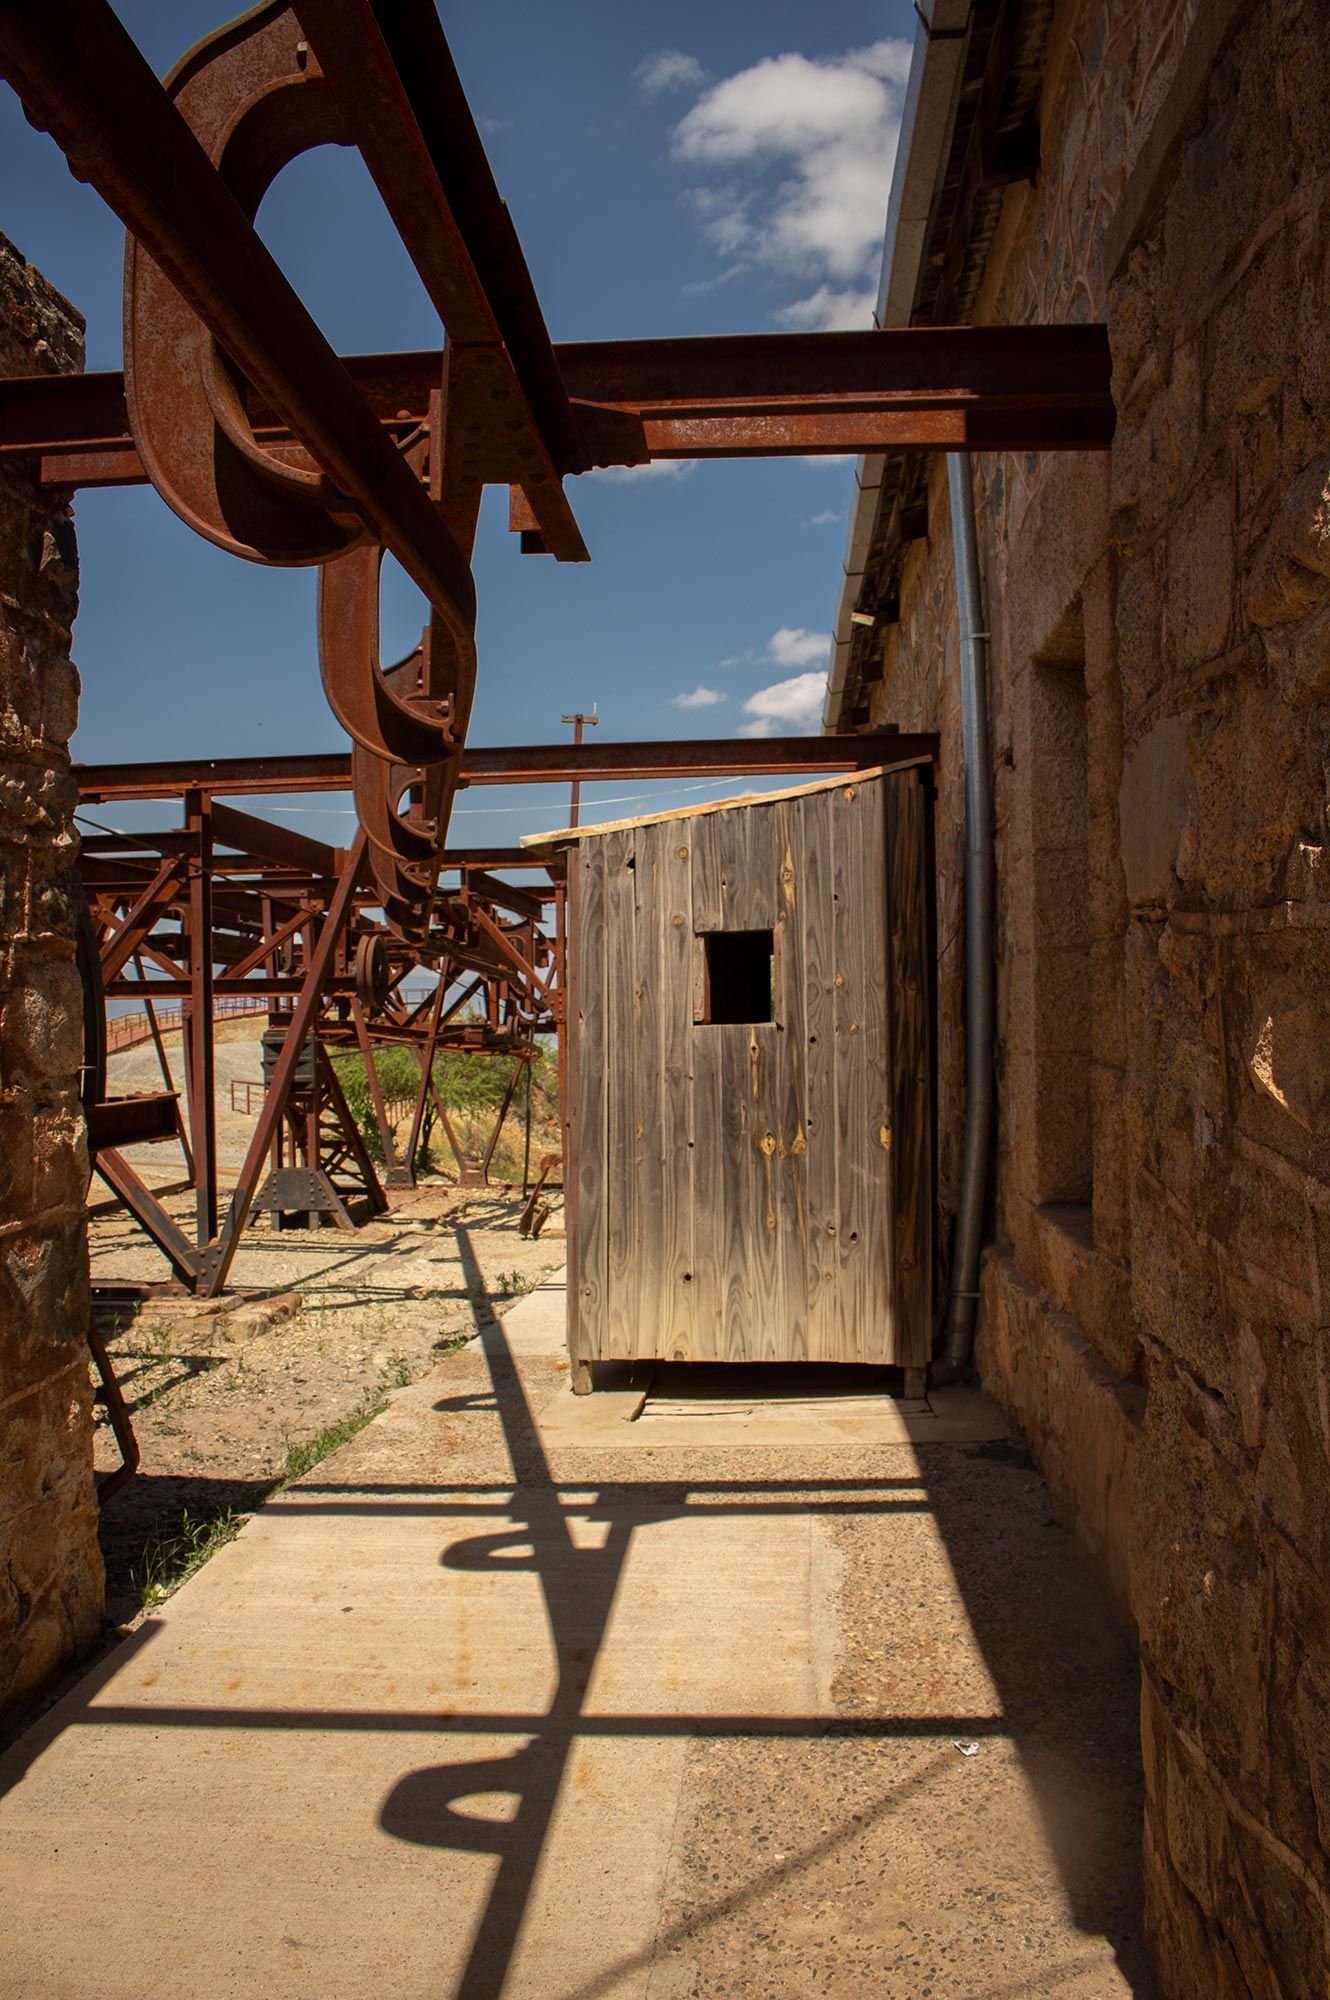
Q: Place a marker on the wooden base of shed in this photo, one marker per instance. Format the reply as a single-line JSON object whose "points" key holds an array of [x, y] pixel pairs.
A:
{"points": [[750, 1081], [914, 1381]]}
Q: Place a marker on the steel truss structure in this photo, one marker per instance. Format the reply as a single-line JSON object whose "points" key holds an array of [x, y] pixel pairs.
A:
{"points": [[275, 448], [228, 905]]}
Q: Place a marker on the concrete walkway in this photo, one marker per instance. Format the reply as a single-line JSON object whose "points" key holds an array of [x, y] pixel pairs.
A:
{"points": [[479, 1711]]}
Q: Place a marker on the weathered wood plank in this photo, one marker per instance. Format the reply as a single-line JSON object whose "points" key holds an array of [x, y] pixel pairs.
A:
{"points": [[587, 1290], [849, 983], [708, 900], [672, 864], [816, 844], [649, 1320], [739, 1052], [791, 1109], [621, 1061], [707, 1087], [874, 1114], [755, 908], [912, 1118]]}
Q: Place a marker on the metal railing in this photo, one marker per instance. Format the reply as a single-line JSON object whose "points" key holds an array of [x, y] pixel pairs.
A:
{"points": [[127, 1031]]}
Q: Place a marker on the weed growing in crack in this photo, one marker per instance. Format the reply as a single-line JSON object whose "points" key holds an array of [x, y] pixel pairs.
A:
{"points": [[172, 1554], [302, 1458]]}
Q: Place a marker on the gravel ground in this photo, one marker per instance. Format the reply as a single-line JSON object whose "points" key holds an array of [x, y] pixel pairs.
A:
{"points": [[217, 1398]]}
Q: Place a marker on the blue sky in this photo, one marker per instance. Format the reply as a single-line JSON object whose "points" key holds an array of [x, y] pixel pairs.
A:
{"points": [[731, 179]]}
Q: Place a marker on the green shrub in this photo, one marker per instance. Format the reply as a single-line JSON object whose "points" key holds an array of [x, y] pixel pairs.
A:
{"points": [[471, 1085]]}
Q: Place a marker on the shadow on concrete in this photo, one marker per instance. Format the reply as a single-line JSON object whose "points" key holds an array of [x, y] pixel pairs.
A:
{"points": [[1066, 1676], [1038, 1624], [1076, 1741]]}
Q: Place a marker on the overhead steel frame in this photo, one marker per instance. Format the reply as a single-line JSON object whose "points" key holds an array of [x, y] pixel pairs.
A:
{"points": [[260, 437], [244, 912]]}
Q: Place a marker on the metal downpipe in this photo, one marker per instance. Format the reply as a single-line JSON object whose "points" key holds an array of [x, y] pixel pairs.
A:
{"points": [[963, 1304]]}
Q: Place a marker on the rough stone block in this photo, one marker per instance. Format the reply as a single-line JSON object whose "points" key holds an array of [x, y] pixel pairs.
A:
{"points": [[1152, 809], [1081, 1421], [1112, 1173], [1060, 904], [1199, 606], [1062, 1163], [1202, 1581], [41, 1030], [1175, 1283], [1139, 610]]}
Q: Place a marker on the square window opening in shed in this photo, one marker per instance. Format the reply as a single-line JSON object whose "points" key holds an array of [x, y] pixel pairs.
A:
{"points": [[740, 977]]}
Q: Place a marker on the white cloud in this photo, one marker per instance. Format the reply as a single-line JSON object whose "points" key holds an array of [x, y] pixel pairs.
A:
{"points": [[763, 727], [804, 149], [792, 646], [825, 518], [701, 697], [829, 311], [668, 69], [655, 468], [796, 702]]}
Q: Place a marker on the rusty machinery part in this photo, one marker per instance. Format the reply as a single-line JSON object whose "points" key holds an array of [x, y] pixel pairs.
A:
{"points": [[255, 100], [408, 724], [254, 96], [374, 973], [391, 711]]}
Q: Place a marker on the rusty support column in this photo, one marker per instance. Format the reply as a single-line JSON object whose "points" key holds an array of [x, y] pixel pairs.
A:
{"points": [[217, 1257], [395, 1174], [426, 1072], [503, 1113], [198, 1022], [163, 1064]]}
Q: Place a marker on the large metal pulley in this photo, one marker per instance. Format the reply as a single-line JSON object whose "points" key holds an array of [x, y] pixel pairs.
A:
{"points": [[374, 974]]}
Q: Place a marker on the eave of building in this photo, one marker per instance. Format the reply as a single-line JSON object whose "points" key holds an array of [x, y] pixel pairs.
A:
{"points": [[969, 129]]}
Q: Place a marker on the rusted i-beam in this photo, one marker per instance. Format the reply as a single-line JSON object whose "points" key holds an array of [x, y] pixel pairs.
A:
{"points": [[80, 74], [523, 764], [992, 388]]}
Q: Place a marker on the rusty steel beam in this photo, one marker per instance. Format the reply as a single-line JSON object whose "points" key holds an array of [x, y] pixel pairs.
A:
{"points": [[726, 396], [520, 764], [197, 1045], [259, 837], [395, 84], [80, 75]]}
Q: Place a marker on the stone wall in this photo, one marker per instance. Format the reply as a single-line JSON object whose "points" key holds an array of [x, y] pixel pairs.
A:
{"points": [[1155, 1305], [50, 1565]]}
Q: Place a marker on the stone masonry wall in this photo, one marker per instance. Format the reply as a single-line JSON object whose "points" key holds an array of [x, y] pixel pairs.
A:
{"points": [[50, 1565], [1157, 1302]]}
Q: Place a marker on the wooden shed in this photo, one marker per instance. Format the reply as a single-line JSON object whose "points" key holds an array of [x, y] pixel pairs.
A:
{"points": [[750, 1079]]}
